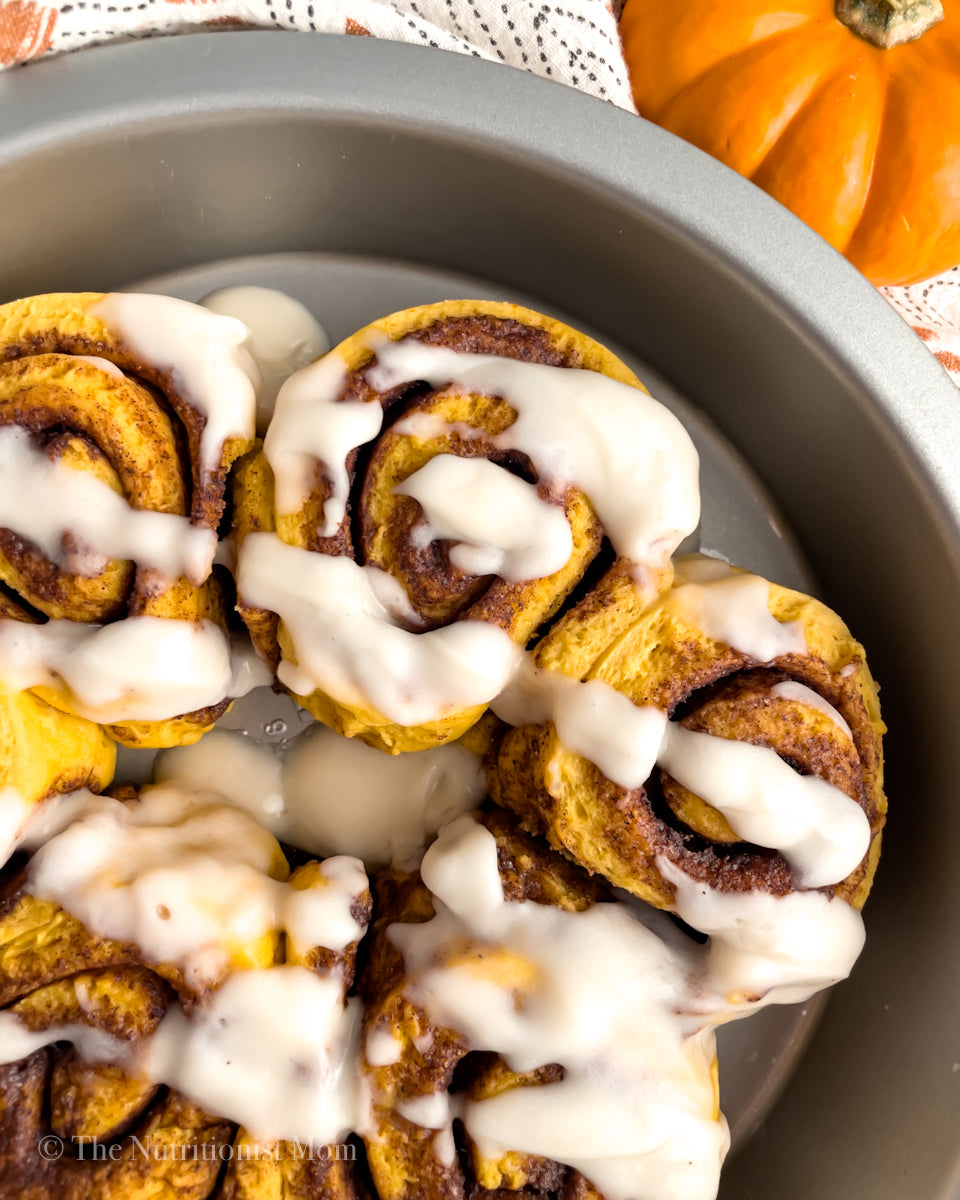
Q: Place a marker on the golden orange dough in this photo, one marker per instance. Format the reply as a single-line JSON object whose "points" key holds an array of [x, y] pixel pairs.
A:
{"points": [[656, 656], [111, 426], [44, 751], [438, 591], [53, 971]]}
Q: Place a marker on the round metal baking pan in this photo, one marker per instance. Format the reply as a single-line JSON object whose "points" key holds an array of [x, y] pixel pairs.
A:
{"points": [[170, 157]]}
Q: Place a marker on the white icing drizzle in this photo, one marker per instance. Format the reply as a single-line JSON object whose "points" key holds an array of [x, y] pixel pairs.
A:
{"points": [[308, 428], [54, 814], [629, 455], [821, 831], [187, 879], [357, 800], [102, 364], [733, 608], [277, 1049], [501, 525], [445, 1147], [205, 354], [347, 644], [321, 915], [333, 795], [423, 1042], [578, 427], [283, 337], [765, 949], [15, 812], [592, 719], [382, 1048], [274, 1050], [702, 568], [432, 1110], [138, 669], [635, 1109], [392, 595], [43, 499], [226, 555], [790, 689], [248, 671], [246, 773], [17, 1041]]}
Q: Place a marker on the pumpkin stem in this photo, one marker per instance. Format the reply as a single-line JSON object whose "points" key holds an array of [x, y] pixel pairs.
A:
{"points": [[887, 23]]}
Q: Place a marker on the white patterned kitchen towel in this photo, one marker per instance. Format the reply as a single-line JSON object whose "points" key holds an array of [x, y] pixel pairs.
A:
{"points": [[574, 42], [933, 309]]}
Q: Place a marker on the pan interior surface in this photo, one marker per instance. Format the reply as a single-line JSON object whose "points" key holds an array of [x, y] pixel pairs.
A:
{"points": [[190, 161]]}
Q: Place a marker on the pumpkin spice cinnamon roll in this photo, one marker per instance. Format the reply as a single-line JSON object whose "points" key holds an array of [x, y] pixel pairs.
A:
{"points": [[119, 418], [428, 495], [740, 753], [523, 1034], [175, 1013]]}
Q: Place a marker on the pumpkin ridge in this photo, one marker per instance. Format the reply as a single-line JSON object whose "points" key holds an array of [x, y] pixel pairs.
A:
{"points": [[815, 96], [784, 95], [819, 96], [882, 136], [937, 51], [889, 162], [659, 37], [738, 59]]}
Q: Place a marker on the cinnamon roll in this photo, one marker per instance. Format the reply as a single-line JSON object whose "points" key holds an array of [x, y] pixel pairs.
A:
{"points": [[743, 751], [120, 416], [175, 1014], [502, 1039], [420, 508]]}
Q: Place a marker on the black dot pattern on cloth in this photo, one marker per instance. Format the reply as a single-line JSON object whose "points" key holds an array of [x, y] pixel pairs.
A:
{"points": [[576, 43]]}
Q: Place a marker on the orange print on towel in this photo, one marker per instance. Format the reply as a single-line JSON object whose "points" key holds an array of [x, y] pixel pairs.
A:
{"points": [[355, 27], [227, 22], [26, 30], [948, 360]]}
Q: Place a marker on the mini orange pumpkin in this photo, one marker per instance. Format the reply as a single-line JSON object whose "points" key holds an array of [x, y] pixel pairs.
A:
{"points": [[825, 107]]}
